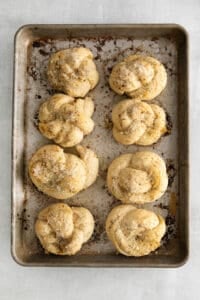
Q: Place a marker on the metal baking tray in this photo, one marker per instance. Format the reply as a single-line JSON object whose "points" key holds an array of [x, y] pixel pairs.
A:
{"points": [[109, 44]]}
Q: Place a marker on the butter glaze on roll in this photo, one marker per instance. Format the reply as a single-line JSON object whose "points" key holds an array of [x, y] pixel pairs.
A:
{"points": [[62, 175], [140, 77], [138, 122], [62, 230], [134, 232], [73, 71], [66, 120], [138, 177]]}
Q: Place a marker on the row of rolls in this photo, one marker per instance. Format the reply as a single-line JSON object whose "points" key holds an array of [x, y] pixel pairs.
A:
{"points": [[133, 178]]}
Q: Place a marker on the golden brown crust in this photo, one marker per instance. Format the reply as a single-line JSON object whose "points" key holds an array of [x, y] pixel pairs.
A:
{"points": [[140, 77], [134, 232], [62, 230], [73, 71], [62, 175], [66, 120], [139, 177], [137, 122]]}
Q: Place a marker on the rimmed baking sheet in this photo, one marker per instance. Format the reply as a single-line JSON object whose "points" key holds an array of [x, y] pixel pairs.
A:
{"points": [[109, 44]]}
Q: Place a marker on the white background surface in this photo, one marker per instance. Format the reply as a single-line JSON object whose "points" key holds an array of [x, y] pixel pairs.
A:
{"points": [[52, 283]]}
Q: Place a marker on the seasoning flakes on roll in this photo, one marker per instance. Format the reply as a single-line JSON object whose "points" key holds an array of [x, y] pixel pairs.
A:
{"points": [[138, 122], [66, 120], [62, 175], [138, 177], [140, 77], [135, 232], [73, 71], [62, 230]]}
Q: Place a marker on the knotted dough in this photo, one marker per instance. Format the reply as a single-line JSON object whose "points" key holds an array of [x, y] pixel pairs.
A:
{"points": [[73, 71], [134, 232], [62, 175], [62, 230], [138, 177], [66, 120], [141, 77], [137, 122]]}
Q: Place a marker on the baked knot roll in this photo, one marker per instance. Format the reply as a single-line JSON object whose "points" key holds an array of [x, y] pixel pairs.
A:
{"points": [[66, 120], [141, 77], [62, 175], [73, 71], [134, 232], [137, 122], [62, 230], [138, 177]]}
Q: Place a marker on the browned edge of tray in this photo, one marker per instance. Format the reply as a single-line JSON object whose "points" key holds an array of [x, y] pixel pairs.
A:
{"points": [[26, 35]]}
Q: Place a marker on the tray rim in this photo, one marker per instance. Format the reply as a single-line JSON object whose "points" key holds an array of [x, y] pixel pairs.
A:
{"points": [[30, 26]]}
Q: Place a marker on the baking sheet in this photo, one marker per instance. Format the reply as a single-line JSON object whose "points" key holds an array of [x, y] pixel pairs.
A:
{"points": [[34, 87]]}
